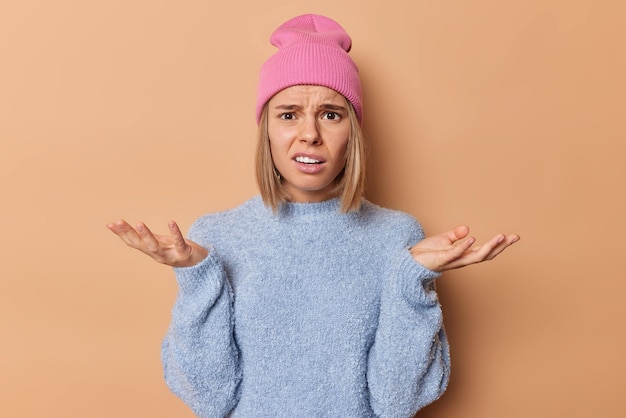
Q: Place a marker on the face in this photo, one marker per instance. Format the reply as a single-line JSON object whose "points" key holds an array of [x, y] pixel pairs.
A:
{"points": [[308, 127]]}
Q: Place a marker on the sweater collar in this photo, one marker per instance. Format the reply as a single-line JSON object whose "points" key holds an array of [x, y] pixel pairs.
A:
{"points": [[307, 209]]}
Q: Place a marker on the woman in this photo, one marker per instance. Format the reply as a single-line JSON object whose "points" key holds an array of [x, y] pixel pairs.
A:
{"points": [[308, 300]]}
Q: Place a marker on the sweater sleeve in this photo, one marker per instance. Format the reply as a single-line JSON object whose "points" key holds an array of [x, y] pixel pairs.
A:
{"points": [[199, 355], [409, 363]]}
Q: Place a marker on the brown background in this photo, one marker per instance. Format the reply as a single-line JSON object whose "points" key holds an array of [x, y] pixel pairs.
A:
{"points": [[505, 115]]}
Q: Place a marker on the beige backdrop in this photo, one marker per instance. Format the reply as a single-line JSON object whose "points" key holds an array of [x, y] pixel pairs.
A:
{"points": [[505, 115]]}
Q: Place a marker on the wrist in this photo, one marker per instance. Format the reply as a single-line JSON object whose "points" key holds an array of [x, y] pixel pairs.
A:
{"points": [[197, 254]]}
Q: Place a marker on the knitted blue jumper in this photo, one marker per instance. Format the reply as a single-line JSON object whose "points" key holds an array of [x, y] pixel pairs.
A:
{"points": [[307, 312]]}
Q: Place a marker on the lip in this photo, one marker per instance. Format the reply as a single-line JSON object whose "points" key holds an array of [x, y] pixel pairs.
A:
{"points": [[308, 155], [309, 168]]}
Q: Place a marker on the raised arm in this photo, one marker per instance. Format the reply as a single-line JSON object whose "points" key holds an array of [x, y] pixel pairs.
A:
{"points": [[199, 354], [409, 363]]}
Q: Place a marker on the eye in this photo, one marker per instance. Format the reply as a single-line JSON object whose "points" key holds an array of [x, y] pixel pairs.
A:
{"points": [[287, 116], [331, 116]]}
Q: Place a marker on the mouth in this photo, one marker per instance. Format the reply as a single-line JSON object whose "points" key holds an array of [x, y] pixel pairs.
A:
{"points": [[309, 163], [307, 160]]}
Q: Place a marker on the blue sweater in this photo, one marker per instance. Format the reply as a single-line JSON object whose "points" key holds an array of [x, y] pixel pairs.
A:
{"points": [[307, 312]]}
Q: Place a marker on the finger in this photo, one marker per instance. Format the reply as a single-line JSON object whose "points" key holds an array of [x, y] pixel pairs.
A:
{"points": [[118, 227], [484, 250], [459, 250], [127, 233], [457, 233], [147, 238], [490, 249], [483, 253], [503, 245], [461, 231], [179, 241]]}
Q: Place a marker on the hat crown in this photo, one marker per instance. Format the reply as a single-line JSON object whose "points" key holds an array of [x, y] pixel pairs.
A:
{"points": [[311, 28], [312, 50]]}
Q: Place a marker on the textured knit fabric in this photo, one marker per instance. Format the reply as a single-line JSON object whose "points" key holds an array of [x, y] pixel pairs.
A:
{"points": [[313, 50], [307, 312]]}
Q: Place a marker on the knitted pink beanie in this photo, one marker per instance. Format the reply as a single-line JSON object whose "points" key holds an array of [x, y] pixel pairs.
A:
{"points": [[312, 50]]}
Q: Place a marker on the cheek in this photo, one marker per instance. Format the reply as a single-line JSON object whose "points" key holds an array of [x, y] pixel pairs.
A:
{"points": [[342, 150], [279, 151], [279, 139], [276, 147]]}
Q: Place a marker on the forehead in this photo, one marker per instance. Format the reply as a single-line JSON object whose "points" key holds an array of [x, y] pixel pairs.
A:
{"points": [[303, 94]]}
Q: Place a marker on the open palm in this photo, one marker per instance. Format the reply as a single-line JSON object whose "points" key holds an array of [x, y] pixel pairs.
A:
{"points": [[455, 249], [173, 250]]}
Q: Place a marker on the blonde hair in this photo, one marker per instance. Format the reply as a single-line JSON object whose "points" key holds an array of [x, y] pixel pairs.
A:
{"points": [[350, 183]]}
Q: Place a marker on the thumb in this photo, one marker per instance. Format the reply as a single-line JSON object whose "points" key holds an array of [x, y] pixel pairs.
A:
{"points": [[180, 244]]}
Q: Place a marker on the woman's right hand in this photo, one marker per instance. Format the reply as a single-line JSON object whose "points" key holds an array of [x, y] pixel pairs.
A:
{"points": [[173, 250]]}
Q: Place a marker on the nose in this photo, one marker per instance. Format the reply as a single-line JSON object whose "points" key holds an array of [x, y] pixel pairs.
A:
{"points": [[310, 132]]}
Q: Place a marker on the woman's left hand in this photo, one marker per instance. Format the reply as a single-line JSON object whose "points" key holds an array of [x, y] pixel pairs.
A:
{"points": [[454, 249]]}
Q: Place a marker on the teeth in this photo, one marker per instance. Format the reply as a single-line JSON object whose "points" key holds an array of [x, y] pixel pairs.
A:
{"points": [[307, 160]]}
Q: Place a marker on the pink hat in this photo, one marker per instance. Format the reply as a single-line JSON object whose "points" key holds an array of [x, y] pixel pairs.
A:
{"points": [[312, 50]]}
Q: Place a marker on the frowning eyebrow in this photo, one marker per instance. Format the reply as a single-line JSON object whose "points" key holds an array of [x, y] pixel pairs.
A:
{"points": [[330, 106], [325, 106]]}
